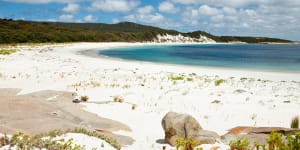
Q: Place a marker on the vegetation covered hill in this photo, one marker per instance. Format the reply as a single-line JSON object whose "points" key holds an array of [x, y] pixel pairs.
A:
{"points": [[19, 31]]}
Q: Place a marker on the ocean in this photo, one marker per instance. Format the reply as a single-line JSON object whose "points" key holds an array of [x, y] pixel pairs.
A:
{"points": [[268, 57]]}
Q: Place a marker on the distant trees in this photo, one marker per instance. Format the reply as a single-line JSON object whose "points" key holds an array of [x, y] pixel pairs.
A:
{"points": [[19, 31]]}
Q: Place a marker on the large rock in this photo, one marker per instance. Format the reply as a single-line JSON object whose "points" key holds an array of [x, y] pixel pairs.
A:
{"points": [[185, 126]]}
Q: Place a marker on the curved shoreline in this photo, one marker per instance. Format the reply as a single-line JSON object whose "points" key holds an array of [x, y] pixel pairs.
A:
{"points": [[220, 71]]}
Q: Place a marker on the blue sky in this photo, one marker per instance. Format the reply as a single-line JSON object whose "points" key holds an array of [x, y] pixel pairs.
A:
{"points": [[271, 18]]}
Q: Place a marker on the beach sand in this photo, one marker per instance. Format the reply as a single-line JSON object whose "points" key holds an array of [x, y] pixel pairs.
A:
{"points": [[243, 98]]}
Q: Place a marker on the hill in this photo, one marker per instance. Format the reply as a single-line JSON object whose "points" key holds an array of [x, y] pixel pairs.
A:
{"points": [[19, 31]]}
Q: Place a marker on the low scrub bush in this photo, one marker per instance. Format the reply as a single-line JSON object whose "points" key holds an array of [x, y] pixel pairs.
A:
{"points": [[219, 82], [239, 144], [186, 144], [175, 78], [7, 51], [26, 142], [295, 122], [84, 98]]}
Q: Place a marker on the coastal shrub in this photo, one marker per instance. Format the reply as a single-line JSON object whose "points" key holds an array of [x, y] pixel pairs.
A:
{"points": [[257, 146], [133, 106], [216, 102], [4, 140], [295, 122], [186, 144], [175, 78], [293, 141], [118, 99], [7, 51], [26, 142], [243, 79], [219, 82], [84, 98], [239, 144], [189, 79], [275, 141]]}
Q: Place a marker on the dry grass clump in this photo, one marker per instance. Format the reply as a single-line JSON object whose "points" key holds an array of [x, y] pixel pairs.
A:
{"points": [[133, 106], [4, 140], [118, 99], [84, 98], [216, 102], [295, 122]]}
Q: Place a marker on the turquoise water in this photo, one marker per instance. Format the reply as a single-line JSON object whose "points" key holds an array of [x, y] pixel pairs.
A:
{"points": [[244, 56]]}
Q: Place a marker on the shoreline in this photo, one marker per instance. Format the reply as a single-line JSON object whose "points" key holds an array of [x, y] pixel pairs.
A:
{"points": [[254, 73], [245, 98]]}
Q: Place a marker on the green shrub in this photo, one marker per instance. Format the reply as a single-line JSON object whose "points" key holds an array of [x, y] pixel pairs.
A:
{"points": [[219, 82], [7, 52], [186, 144], [189, 79], [175, 78], [239, 144], [275, 141], [293, 141], [295, 122], [26, 142]]}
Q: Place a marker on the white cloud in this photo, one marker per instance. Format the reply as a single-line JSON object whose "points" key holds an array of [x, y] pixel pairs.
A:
{"points": [[90, 18], [66, 17], [114, 5], [71, 8], [145, 14], [209, 11], [186, 2], [167, 7], [239, 3], [145, 18], [115, 20], [229, 11], [43, 1], [145, 10]]}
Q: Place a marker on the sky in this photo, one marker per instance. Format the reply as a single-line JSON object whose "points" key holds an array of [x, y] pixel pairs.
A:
{"points": [[267, 18]]}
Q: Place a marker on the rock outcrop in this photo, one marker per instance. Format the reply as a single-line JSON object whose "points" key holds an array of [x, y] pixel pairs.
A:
{"points": [[255, 134], [185, 126], [166, 38]]}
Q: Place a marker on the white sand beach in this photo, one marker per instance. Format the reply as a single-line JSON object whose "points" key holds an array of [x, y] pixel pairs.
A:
{"points": [[245, 98]]}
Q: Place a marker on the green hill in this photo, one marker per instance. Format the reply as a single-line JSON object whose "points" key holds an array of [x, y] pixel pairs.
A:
{"points": [[19, 31]]}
